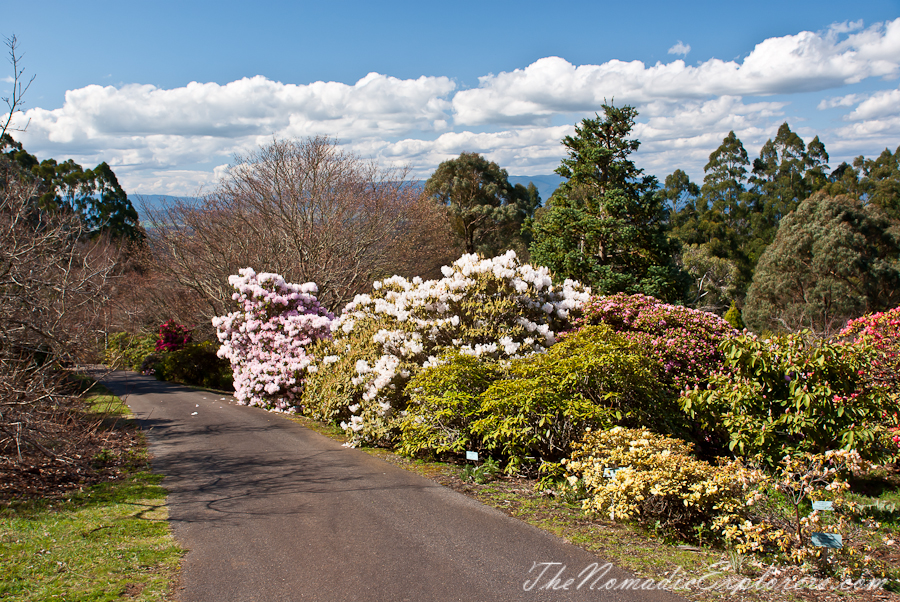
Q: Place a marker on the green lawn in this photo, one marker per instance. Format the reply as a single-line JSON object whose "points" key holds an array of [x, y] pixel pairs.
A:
{"points": [[108, 542]]}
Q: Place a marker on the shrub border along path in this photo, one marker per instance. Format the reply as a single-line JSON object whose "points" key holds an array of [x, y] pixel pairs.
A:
{"points": [[630, 548]]}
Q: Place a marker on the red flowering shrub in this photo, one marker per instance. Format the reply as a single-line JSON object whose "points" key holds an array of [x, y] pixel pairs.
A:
{"points": [[684, 341], [172, 336]]}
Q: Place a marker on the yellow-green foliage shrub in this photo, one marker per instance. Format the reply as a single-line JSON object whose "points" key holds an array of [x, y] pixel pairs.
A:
{"points": [[659, 483], [591, 378], [529, 411], [444, 400], [127, 350]]}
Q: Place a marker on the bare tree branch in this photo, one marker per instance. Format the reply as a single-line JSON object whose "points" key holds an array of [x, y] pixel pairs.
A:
{"points": [[309, 211], [14, 102]]}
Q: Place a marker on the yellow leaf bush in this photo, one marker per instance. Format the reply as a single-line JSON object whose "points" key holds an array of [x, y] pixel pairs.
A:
{"points": [[658, 482]]}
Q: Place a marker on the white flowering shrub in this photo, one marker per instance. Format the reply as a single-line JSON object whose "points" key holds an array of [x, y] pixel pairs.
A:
{"points": [[498, 308], [265, 339]]}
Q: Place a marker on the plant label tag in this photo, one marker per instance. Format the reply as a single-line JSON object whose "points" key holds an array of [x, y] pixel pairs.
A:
{"points": [[827, 540], [822, 505], [472, 456]]}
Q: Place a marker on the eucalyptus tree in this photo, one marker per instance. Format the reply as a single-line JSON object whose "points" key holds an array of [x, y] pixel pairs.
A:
{"points": [[486, 212], [833, 259]]}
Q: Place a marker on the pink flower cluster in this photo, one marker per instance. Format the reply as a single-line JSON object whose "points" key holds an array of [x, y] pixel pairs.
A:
{"points": [[684, 341], [881, 332], [265, 339]]}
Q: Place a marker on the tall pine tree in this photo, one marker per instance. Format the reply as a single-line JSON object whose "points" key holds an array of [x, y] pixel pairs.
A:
{"points": [[606, 224]]}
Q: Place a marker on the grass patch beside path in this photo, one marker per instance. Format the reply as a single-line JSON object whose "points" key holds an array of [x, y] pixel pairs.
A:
{"points": [[110, 541], [105, 543]]}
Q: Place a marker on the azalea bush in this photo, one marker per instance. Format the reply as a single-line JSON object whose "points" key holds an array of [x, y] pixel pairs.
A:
{"points": [[172, 336], [266, 338], [638, 476], [498, 308], [880, 332], [684, 341], [635, 475], [789, 395], [780, 524], [529, 410]]}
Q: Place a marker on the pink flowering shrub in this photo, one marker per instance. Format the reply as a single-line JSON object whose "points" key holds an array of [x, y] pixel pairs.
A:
{"points": [[880, 333], [684, 341], [172, 336], [266, 338]]}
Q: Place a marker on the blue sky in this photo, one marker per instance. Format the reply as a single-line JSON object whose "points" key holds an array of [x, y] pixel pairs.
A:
{"points": [[168, 92]]}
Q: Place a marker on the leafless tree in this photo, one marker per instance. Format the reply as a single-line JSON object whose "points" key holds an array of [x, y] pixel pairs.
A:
{"points": [[309, 211], [19, 88], [53, 287]]}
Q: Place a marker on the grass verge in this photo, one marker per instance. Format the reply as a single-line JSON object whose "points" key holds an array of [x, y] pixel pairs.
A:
{"points": [[110, 541]]}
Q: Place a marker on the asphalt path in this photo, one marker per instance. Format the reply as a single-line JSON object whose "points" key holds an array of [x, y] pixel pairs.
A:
{"points": [[271, 511]]}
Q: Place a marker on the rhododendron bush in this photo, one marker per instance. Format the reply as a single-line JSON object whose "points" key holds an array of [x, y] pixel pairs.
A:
{"points": [[528, 411], [684, 341], [498, 308], [266, 338], [172, 336], [880, 333], [792, 395]]}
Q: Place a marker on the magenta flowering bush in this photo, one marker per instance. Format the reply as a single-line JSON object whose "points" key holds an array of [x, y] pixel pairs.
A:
{"points": [[684, 341], [265, 339], [879, 333], [172, 336]]}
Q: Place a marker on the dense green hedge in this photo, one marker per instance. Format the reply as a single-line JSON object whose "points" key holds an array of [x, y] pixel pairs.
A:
{"points": [[125, 350], [196, 364]]}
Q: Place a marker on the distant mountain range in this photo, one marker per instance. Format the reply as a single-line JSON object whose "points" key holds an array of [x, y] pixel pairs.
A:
{"points": [[545, 185]]}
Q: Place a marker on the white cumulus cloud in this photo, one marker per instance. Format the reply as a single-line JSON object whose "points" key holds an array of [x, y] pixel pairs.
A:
{"points": [[881, 104], [680, 48], [848, 100], [803, 62], [142, 123], [175, 140]]}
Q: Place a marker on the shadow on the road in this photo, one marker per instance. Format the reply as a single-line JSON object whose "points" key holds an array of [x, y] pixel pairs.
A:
{"points": [[215, 485], [254, 465]]}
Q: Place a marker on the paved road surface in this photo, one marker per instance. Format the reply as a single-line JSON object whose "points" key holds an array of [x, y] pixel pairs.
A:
{"points": [[271, 511]]}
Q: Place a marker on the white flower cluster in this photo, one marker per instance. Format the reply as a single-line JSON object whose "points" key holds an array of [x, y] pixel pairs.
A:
{"points": [[483, 307], [266, 337]]}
